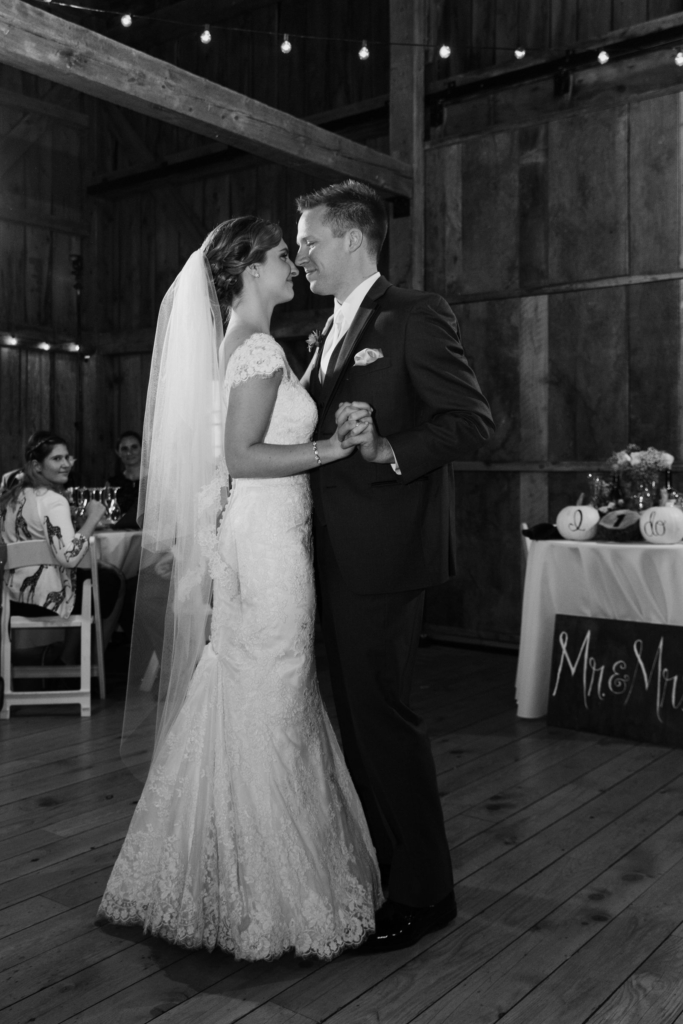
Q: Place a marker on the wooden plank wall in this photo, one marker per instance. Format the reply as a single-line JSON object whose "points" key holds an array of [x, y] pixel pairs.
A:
{"points": [[43, 130], [561, 255]]}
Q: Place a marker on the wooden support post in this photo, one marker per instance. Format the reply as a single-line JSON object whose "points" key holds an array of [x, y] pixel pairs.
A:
{"points": [[406, 139], [38, 42]]}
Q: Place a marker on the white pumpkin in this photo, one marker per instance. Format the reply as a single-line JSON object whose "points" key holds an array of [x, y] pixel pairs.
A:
{"points": [[662, 525], [578, 522]]}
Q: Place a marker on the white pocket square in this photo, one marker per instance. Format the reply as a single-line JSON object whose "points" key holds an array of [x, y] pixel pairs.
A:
{"points": [[367, 356]]}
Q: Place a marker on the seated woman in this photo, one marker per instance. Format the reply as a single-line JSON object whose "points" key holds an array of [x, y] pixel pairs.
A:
{"points": [[127, 477], [36, 508]]}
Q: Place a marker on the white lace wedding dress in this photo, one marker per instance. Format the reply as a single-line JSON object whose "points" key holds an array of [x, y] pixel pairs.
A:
{"points": [[249, 834]]}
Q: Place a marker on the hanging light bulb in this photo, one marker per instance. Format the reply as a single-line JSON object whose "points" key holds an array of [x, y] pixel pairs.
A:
{"points": [[206, 35], [285, 45], [445, 51], [45, 346], [678, 59], [126, 20], [603, 57], [11, 340], [364, 53], [520, 52]]}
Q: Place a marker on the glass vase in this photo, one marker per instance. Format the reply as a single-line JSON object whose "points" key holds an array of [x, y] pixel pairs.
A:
{"points": [[641, 489]]}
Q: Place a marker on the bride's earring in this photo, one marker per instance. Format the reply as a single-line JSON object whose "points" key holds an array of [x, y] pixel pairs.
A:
{"points": [[254, 271]]}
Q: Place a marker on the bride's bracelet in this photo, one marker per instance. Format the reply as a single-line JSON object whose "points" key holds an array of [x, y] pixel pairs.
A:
{"points": [[318, 460]]}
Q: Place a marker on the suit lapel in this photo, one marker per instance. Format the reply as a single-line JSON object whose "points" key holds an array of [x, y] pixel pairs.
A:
{"points": [[352, 340]]}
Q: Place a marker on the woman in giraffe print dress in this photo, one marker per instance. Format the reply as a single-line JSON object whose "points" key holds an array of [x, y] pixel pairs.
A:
{"points": [[36, 508]]}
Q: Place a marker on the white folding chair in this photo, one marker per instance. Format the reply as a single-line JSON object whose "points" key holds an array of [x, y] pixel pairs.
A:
{"points": [[38, 552]]}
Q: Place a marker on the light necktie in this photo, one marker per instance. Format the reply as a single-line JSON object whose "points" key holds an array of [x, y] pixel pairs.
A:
{"points": [[331, 342]]}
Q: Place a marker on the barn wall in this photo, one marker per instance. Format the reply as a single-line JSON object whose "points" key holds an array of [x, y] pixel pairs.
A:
{"points": [[554, 229]]}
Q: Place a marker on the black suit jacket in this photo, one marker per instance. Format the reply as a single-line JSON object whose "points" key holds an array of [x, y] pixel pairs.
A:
{"points": [[392, 532]]}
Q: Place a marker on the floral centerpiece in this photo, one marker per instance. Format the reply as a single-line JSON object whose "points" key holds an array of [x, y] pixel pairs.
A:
{"points": [[639, 476]]}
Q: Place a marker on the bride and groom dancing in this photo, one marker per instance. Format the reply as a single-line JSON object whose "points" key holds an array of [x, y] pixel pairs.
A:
{"points": [[252, 833]]}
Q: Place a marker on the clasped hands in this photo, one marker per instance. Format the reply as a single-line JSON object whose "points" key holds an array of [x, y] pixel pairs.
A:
{"points": [[356, 429]]}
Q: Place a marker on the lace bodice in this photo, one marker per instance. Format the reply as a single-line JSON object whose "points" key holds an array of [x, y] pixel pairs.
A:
{"points": [[295, 413]]}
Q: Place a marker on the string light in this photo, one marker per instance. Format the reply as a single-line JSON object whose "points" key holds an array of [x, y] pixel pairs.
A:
{"points": [[12, 341], [678, 59], [126, 19]]}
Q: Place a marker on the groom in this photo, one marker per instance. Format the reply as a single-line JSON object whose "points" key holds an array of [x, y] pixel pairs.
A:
{"points": [[383, 521]]}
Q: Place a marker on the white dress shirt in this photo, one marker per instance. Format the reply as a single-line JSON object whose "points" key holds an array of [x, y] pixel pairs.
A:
{"points": [[344, 313]]}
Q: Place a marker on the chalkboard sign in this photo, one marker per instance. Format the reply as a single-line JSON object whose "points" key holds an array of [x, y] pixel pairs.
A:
{"points": [[618, 678]]}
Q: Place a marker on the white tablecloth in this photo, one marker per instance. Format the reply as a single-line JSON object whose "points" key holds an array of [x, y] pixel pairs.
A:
{"points": [[633, 582], [120, 548]]}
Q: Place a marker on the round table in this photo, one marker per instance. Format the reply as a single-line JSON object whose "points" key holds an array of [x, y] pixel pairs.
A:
{"points": [[120, 548]]}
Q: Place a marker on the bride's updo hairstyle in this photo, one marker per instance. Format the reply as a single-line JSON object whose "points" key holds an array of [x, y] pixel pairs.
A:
{"points": [[232, 247]]}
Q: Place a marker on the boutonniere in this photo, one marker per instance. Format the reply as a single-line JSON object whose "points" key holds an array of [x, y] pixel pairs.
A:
{"points": [[367, 356], [313, 341]]}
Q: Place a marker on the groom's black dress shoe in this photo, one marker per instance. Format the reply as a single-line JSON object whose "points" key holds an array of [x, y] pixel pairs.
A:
{"points": [[398, 926]]}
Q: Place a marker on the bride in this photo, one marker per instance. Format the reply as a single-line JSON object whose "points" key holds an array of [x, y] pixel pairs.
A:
{"points": [[248, 835]]}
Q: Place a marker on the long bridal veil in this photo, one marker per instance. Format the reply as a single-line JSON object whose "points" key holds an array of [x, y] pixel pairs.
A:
{"points": [[182, 476]]}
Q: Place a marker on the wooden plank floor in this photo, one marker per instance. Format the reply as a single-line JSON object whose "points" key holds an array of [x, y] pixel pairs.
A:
{"points": [[567, 856]]}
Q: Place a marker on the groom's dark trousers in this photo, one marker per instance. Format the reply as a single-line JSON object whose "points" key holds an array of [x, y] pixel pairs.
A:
{"points": [[381, 538]]}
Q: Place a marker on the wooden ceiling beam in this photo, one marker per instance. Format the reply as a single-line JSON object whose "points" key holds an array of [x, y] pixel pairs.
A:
{"points": [[368, 116], [38, 42]]}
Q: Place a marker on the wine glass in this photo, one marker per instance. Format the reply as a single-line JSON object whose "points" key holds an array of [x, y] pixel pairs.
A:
{"points": [[80, 496], [113, 508]]}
